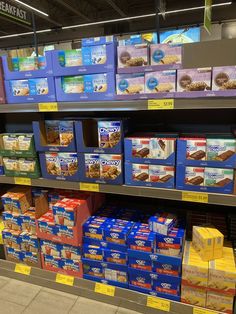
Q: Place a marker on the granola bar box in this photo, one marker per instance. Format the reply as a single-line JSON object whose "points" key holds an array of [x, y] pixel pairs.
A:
{"points": [[130, 84], [160, 81], [194, 80], [165, 54], [224, 78], [132, 56]]}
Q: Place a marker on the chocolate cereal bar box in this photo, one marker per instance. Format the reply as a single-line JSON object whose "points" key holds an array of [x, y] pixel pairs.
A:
{"points": [[133, 55], [224, 80]]}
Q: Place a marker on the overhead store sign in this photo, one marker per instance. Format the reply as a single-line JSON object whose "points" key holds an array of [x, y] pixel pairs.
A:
{"points": [[14, 12], [207, 15]]}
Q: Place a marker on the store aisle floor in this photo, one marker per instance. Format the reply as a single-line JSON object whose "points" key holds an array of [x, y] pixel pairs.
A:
{"points": [[18, 297]]}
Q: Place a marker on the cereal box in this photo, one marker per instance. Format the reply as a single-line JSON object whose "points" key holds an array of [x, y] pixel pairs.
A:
{"points": [[140, 172], [222, 273], [191, 80], [20, 87], [133, 55], [70, 252], [194, 269], [161, 174], [28, 63], [194, 296], [38, 86], [203, 243], [162, 222], [11, 238], [194, 175], [50, 248], [52, 132], [66, 132], [92, 166], [70, 58], [53, 164], [160, 82], [52, 261], [220, 302], [12, 221], [165, 54], [68, 163], [141, 147], [116, 257], [142, 241], [29, 242], [110, 166], [161, 148], [130, 84], [13, 255], [171, 244], [71, 265], [94, 55], [218, 177], [95, 83], [28, 222], [195, 148], [93, 252], [220, 149], [72, 84], [224, 78], [64, 212], [109, 133]]}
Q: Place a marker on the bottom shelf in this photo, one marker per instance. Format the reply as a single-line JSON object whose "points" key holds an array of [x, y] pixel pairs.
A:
{"points": [[122, 297]]}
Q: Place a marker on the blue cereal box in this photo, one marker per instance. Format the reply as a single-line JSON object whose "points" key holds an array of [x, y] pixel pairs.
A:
{"points": [[95, 83], [65, 232], [28, 222], [93, 252], [13, 254], [50, 248], [93, 229], [167, 284], [140, 241], [117, 257], [31, 258], [92, 268], [92, 166], [140, 278], [71, 252], [12, 221], [109, 133], [116, 233], [171, 244], [46, 224], [29, 242], [52, 261], [94, 55], [162, 222], [69, 264], [11, 238]]}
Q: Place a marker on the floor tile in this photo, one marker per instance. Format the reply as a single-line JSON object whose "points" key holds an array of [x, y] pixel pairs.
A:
{"points": [[50, 303], [3, 281], [87, 306], [60, 293], [19, 292], [10, 308]]}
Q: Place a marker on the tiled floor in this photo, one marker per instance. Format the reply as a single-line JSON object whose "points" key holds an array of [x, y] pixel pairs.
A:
{"points": [[18, 297]]}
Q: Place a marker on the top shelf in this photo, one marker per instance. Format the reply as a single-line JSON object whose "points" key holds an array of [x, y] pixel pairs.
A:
{"points": [[122, 105]]}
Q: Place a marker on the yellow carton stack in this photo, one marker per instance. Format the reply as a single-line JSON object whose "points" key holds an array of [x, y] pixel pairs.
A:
{"points": [[221, 282], [194, 277]]}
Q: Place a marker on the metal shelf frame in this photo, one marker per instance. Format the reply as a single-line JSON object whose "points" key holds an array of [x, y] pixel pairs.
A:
{"points": [[123, 297], [170, 194], [125, 105]]}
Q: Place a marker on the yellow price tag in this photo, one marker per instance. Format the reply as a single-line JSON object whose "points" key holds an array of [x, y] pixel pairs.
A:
{"points": [[160, 104], [197, 310], [22, 181], [158, 303], [48, 106], [195, 197], [65, 279], [23, 269], [91, 187], [104, 289], [1, 229]]}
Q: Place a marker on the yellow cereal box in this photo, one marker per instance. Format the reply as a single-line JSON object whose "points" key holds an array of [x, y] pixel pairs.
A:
{"points": [[194, 269], [220, 302], [218, 239], [222, 273], [194, 296], [203, 242]]}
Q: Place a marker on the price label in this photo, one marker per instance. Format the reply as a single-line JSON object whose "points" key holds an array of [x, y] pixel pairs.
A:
{"points": [[104, 289], [195, 197], [65, 279], [160, 104], [1, 229], [22, 181], [197, 310], [159, 304], [91, 187], [47, 106], [23, 269]]}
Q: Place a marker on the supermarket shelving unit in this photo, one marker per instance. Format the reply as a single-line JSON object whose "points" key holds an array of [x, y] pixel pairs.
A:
{"points": [[206, 56]]}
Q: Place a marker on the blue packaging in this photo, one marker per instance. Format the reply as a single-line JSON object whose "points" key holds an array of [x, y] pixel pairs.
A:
{"points": [[69, 264], [11, 239], [50, 248], [92, 268], [95, 83], [52, 261], [172, 243], [116, 234], [71, 252], [94, 55], [47, 227], [140, 278], [93, 230], [105, 245], [112, 256], [65, 231], [140, 241], [93, 41], [31, 258], [93, 252], [13, 254], [29, 242], [12, 221]]}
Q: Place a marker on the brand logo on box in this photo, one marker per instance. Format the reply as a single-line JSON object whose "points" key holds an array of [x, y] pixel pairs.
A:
{"points": [[140, 262], [115, 235], [115, 255], [93, 252], [95, 270], [110, 162], [166, 285], [92, 230], [166, 266], [140, 243], [107, 130], [141, 279], [169, 240], [216, 148]]}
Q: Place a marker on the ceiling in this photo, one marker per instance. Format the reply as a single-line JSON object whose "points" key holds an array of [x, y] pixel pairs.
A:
{"points": [[73, 12]]}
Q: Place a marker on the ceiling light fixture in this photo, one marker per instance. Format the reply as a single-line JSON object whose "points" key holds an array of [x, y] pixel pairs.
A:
{"points": [[116, 20], [30, 7]]}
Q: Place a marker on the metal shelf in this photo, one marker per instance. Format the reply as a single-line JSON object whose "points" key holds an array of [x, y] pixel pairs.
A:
{"points": [[170, 194], [123, 297], [125, 105]]}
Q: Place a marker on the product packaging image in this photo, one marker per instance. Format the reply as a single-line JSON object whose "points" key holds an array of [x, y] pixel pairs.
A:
{"points": [[133, 55], [95, 83], [72, 84], [162, 223], [94, 55], [128, 84], [166, 54], [224, 79], [160, 82], [70, 58]]}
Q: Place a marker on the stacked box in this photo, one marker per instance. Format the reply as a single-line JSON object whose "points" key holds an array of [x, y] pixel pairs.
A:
{"points": [[87, 73], [106, 238], [18, 155], [20, 241], [150, 161], [61, 258]]}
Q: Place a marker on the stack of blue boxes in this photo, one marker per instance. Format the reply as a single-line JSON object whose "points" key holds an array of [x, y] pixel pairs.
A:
{"points": [[29, 79], [155, 256], [87, 73], [105, 245]]}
